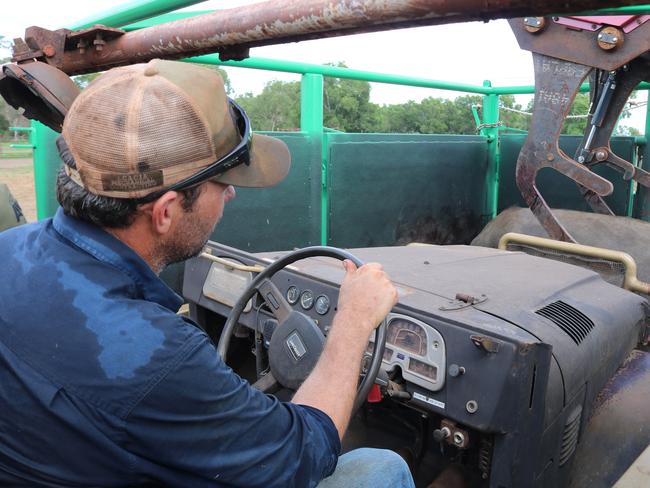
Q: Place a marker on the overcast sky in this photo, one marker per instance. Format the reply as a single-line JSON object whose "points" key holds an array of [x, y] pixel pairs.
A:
{"points": [[466, 53]]}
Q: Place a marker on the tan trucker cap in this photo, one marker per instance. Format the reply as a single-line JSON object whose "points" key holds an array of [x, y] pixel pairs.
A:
{"points": [[141, 128]]}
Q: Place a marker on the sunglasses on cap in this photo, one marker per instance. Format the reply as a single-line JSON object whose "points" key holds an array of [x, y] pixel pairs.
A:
{"points": [[240, 154]]}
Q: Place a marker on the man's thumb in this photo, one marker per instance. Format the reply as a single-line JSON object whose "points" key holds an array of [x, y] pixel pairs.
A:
{"points": [[349, 266]]}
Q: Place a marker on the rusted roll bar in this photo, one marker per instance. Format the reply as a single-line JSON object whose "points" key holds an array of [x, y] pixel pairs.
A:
{"points": [[232, 32]]}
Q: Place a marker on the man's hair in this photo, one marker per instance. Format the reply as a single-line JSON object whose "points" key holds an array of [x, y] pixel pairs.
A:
{"points": [[104, 211]]}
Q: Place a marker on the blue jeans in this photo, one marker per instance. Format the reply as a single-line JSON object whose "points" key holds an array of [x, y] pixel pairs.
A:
{"points": [[369, 468]]}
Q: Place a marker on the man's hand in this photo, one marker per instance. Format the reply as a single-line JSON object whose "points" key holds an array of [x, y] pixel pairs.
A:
{"points": [[366, 296]]}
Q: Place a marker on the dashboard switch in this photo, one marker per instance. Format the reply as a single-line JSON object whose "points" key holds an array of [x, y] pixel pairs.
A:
{"points": [[374, 395], [440, 435], [455, 370]]}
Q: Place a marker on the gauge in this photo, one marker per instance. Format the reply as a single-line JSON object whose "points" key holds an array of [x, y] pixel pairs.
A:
{"points": [[293, 294], [424, 369], [408, 336], [322, 305], [307, 299]]}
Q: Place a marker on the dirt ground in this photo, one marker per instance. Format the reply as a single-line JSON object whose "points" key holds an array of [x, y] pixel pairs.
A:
{"points": [[18, 174]]}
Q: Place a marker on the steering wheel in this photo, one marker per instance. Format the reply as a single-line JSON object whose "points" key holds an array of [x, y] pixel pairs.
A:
{"points": [[297, 342]]}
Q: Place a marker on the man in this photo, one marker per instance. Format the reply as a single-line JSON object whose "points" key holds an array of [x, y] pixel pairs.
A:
{"points": [[101, 383]]}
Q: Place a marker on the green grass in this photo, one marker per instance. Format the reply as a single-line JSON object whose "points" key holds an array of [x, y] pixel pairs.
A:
{"points": [[8, 152]]}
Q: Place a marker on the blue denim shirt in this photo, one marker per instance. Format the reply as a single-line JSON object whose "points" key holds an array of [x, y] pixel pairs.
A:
{"points": [[102, 384]]}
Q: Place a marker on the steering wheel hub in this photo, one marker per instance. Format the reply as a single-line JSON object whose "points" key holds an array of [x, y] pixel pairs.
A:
{"points": [[295, 347]]}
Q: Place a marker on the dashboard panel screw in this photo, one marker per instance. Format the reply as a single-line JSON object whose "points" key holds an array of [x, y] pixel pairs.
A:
{"points": [[472, 406]]}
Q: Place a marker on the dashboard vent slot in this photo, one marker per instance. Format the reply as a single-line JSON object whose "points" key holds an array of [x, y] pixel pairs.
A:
{"points": [[571, 320], [570, 436]]}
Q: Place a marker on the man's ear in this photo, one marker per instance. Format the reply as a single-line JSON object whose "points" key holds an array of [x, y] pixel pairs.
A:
{"points": [[162, 211]]}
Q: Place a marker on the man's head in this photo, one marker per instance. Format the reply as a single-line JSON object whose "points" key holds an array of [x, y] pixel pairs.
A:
{"points": [[153, 150]]}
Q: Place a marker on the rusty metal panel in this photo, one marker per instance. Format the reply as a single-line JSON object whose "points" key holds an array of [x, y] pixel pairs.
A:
{"points": [[581, 46]]}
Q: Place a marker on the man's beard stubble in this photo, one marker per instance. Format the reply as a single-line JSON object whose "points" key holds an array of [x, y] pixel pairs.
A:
{"points": [[187, 242]]}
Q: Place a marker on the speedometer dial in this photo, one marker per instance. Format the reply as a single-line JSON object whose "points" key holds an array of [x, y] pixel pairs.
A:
{"points": [[407, 336]]}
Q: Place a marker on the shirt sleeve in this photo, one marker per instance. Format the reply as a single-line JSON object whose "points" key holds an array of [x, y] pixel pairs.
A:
{"points": [[202, 425]]}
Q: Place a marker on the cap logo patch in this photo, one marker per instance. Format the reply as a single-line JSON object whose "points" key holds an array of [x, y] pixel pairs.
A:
{"points": [[133, 182]]}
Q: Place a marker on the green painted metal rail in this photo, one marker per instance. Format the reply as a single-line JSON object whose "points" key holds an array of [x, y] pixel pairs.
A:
{"points": [[627, 10], [134, 11], [339, 72]]}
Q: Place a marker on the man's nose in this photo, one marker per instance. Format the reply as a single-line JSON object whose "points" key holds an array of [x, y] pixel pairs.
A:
{"points": [[230, 193]]}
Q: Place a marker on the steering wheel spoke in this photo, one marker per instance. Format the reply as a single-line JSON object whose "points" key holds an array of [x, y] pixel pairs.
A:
{"points": [[267, 383], [274, 299]]}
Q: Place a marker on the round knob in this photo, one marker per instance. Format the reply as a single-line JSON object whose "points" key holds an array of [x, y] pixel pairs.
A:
{"points": [[440, 435], [455, 370]]}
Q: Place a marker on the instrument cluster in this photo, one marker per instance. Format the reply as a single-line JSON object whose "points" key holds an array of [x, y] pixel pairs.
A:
{"points": [[417, 348]]}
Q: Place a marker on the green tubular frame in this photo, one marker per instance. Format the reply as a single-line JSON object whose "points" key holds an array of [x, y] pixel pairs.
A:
{"points": [[490, 129], [30, 143], [311, 122], [140, 14]]}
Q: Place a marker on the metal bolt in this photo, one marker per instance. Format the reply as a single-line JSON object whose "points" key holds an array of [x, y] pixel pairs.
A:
{"points": [[534, 24], [99, 42], [471, 406], [455, 370], [49, 50], [436, 344], [459, 438], [581, 159], [550, 157], [601, 155], [610, 38]]}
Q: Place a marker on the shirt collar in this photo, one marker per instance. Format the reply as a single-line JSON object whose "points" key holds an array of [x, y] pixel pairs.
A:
{"points": [[108, 249]]}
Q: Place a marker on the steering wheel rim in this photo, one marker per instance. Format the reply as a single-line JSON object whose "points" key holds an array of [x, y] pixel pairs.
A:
{"points": [[264, 276]]}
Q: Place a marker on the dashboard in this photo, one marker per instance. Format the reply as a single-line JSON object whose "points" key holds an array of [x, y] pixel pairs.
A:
{"points": [[415, 347], [502, 375]]}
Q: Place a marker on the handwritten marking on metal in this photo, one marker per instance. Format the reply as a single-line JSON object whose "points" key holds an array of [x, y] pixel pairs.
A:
{"points": [[554, 98], [561, 68]]}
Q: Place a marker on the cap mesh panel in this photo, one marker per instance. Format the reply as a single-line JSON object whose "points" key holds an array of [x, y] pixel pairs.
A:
{"points": [[96, 130], [169, 134]]}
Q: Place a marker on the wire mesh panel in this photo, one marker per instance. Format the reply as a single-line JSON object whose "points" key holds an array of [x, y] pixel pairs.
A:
{"points": [[403, 189], [281, 217], [613, 272]]}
